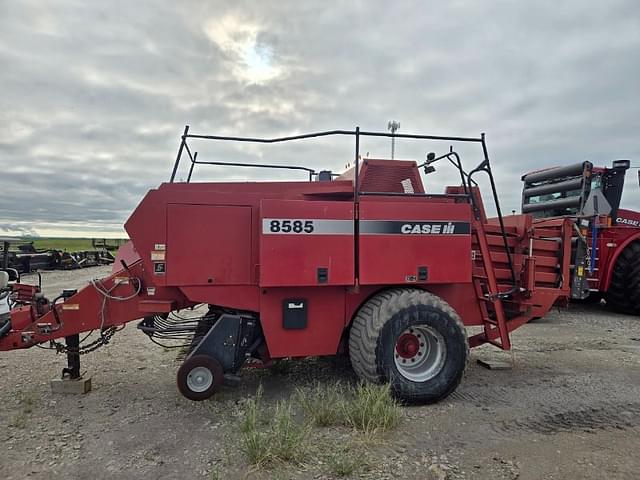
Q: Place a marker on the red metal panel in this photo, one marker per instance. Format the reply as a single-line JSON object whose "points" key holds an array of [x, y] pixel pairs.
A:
{"points": [[236, 296], [325, 321], [298, 237], [208, 244], [394, 258]]}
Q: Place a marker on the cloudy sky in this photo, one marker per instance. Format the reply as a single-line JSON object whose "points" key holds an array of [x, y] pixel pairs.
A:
{"points": [[94, 95]]}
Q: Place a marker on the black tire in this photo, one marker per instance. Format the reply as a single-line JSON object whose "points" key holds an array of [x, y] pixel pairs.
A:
{"points": [[387, 317], [192, 366], [624, 291]]}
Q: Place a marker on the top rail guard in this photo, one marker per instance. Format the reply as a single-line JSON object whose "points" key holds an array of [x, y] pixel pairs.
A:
{"points": [[467, 180], [357, 133]]}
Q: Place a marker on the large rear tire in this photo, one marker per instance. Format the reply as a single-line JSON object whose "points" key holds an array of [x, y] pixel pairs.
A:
{"points": [[411, 339], [623, 294]]}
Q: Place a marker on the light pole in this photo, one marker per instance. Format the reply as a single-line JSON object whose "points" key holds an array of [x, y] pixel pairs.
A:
{"points": [[393, 126]]}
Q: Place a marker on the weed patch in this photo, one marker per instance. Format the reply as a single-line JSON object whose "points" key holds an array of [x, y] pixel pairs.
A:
{"points": [[278, 438], [324, 405], [372, 409]]}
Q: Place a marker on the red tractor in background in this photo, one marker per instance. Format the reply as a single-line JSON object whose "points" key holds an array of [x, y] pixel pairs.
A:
{"points": [[368, 261], [606, 237]]}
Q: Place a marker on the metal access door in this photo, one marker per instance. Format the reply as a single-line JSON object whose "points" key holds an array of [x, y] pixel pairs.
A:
{"points": [[304, 243], [407, 242]]}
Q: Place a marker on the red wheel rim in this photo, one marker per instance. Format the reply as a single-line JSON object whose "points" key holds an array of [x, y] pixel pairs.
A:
{"points": [[407, 345]]}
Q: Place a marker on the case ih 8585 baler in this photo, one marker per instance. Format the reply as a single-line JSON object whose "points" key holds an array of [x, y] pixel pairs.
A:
{"points": [[368, 262]]}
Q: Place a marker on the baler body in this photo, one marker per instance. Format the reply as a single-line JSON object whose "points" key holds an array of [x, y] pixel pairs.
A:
{"points": [[297, 269]]}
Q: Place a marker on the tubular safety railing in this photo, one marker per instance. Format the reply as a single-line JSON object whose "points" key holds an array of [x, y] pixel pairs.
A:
{"points": [[453, 157]]}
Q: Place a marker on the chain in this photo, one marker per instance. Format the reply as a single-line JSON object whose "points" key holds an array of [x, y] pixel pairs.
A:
{"points": [[105, 338]]}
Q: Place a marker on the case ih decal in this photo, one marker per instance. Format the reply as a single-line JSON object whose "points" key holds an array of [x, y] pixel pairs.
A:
{"points": [[425, 227], [628, 221]]}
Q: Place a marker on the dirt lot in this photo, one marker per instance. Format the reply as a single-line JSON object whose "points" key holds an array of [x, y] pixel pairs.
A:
{"points": [[570, 408]]}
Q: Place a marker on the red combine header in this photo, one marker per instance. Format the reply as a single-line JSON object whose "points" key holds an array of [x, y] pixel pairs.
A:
{"points": [[367, 262]]}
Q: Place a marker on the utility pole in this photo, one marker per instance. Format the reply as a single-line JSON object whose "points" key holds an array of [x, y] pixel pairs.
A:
{"points": [[393, 126]]}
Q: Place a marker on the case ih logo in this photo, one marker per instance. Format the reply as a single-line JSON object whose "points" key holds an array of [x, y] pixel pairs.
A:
{"points": [[628, 221], [391, 227], [428, 228]]}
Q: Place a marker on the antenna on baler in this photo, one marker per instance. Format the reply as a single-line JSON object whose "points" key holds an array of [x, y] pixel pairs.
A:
{"points": [[393, 126]]}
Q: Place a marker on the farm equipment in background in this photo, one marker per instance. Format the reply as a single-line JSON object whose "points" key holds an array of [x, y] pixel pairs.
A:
{"points": [[22, 256], [368, 262], [606, 236], [110, 244]]}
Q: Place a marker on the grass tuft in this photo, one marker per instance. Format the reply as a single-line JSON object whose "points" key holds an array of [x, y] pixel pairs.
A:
{"points": [[323, 404], [276, 439], [346, 463], [373, 409]]}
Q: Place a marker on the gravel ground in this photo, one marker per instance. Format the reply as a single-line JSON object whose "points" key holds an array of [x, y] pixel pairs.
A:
{"points": [[570, 408]]}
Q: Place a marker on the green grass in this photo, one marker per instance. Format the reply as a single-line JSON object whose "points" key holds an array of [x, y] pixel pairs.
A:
{"points": [[372, 409], [273, 437], [67, 244], [368, 408], [276, 436], [346, 462], [323, 404]]}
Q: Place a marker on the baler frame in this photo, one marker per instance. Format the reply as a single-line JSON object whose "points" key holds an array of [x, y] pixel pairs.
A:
{"points": [[274, 295]]}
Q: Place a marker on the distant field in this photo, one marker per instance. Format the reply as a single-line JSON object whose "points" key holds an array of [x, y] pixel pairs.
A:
{"points": [[69, 244]]}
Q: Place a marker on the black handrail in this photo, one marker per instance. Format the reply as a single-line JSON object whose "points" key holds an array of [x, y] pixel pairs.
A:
{"points": [[357, 133], [484, 166]]}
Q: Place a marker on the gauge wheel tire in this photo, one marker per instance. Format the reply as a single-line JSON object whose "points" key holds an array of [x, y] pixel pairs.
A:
{"points": [[623, 294], [199, 377], [411, 339]]}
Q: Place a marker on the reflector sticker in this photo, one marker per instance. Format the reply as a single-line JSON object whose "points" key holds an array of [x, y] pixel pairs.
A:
{"points": [[306, 226], [408, 227], [157, 255], [70, 306]]}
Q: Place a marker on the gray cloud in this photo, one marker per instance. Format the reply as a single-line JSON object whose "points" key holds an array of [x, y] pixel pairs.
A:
{"points": [[94, 96]]}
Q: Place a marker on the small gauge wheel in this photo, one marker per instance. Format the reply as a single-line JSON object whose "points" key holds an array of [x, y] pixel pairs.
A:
{"points": [[199, 377]]}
